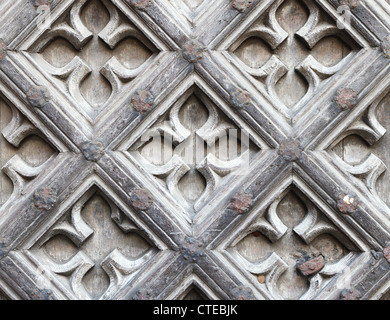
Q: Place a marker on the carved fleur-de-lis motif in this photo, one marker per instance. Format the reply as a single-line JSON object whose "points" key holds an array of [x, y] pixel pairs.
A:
{"points": [[93, 83], [194, 143], [85, 234], [289, 58], [303, 250]]}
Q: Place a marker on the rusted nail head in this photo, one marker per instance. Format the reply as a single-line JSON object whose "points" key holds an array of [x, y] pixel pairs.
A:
{"points": [[143, 294], [38, 96], [193, 51], [241, 202], [142, 101], [311, 266], [242, 293], [347, 203], [241, 5], [241, 98], [3, 49], [346, 98], [386, 253], [290, 150], [141, 4], [45, 198], [93, 150], [3, 249], [350, 3], [42, 294], [385, 46], [349, 294], [141, 199], [42, 4]]}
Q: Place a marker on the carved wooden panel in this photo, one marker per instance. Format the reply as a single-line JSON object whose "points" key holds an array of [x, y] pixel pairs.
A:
{"points": [[174, 149]]}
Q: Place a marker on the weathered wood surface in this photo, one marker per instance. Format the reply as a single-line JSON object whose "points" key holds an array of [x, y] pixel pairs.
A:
{"points": [[174, 149]]}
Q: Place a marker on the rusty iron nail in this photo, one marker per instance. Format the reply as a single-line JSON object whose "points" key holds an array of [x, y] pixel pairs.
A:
{"points": [[290, 150], [38, 96], [141, 4], [45, 198], [3, 250], [3, 49], [141, 199], [347, 203], [350, 3], [42, 4], [143, 294], [193, 51], [385, 46], [42, 294], [349, 294], [241, 202], [93, 150], [346, 98], [241, 5], [311, 266], [386, 253], [241, 98], [192, 250], [242, 293], [142, 101]]}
